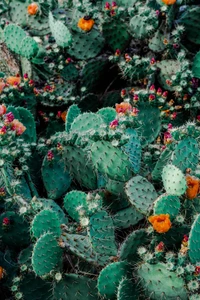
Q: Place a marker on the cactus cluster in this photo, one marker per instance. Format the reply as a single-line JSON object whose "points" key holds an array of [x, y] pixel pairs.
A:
{"points": [[99, 149]]}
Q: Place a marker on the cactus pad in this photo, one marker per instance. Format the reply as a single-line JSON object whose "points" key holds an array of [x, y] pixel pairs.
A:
{"points": [[173, 180]]}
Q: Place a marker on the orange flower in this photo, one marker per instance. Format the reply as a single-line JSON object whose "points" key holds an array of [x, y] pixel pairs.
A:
{"points": [[123, 107], [193, 187], [13, 80], [32, 9], [169, 2], [63, 115], [2, 85], [2, 110], [18, 127], [2, 273], [161, 223], [85, 23]]}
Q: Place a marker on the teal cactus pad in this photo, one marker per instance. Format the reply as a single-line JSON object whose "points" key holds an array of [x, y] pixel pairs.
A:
{"points": [[52, 205], [194, 241], [110, 277], [60, 32], [116, 188], [45, 221], [102, 234], [116, 34], [72, 201], [173, 180], [133, 150], [149, 124], [81, 246], [27, 120], [127, 217], [47, 255], [141, 193], [126, 290], [128, 249], [162, 161], [34, 288], [13, 35], [190, 20], [25, 256], [108, 114], [55, 176], [87, 122], [196, 66], [156, 280], [84, 173], [167, 68], [69, 72], [111, 161], [167, 204], [75, 287], [28, 48], [186, 154], [86, 45], [17, 233], [72, 113], [92, 73]]}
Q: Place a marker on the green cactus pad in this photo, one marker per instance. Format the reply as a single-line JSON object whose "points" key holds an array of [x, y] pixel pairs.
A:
{"points": [[194, 241], [167, 68], [167, 204], [69, 72], [28, 48], [128, 249], [127, 217], [55, 176], [162, 161], [72, 201], [47, 255], [25, 256], [141, 194], [196, 66], [190, 20], [75, 287], [111, 161], [76, 159], [126, 290], [81, 246], [34, 288], [156, 280], [102, 234], [139, 25], [52, 205], [16, 234], [110, 277], [72, 113], [27, 120], [115, 187], [186, 154], [149, 124], [87, 122], [116, 34], [13, 35], [45, 221], [60, 32], [173, 180], [133, 150], [92, 73], [86, 45], [108, 114]]}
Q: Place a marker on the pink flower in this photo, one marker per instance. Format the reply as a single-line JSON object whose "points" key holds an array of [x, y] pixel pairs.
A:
{"points": [[123, 93], [135, 98], [198, 118], [50, 155], [114, 124], [153, 61], [6, 222], [2, 192], [164, 95], [9, 117], [170, 126], [152, 88], [107, 6], [135, 112], [159, 92], [18, 127], [117, 52], [151, 97], [68, 60], [114, 5], [173, 115], [167, 138], [2, 109], [3, 130]]}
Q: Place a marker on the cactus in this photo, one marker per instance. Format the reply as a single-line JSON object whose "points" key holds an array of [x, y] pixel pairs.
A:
{"points": [[173, 180], [194, 242], [167, 204]]}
